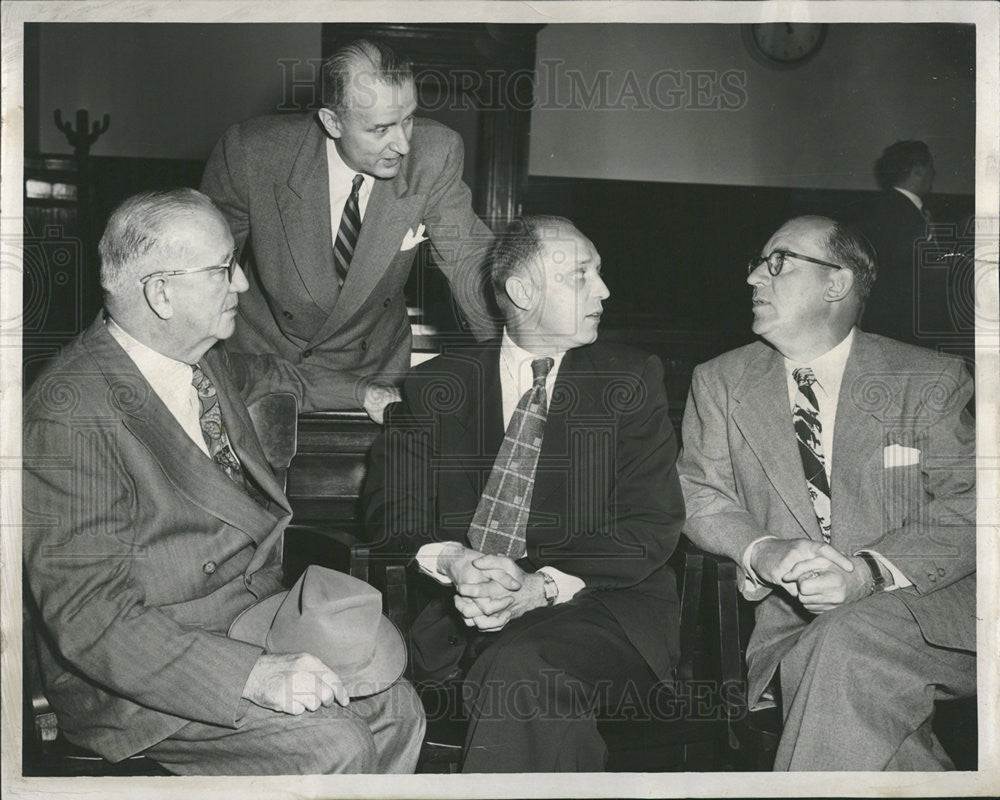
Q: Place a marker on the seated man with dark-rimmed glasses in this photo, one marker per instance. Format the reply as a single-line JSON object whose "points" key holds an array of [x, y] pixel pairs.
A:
{"points": [[838, 469], [152, 520]]}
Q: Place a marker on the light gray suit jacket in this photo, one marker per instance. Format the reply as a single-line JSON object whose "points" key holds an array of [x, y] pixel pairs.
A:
{"points": [[268, 175], [903, 480]]}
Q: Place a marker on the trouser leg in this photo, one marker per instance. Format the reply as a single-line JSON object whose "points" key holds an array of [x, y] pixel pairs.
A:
{"points": [[377, 734], [858, 691], [533, 694]]}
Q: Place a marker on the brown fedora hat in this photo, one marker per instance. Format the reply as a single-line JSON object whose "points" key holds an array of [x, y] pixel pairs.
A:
{"points": [[334, 617]]}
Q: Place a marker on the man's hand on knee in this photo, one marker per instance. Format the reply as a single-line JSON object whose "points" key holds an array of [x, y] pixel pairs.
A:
{"points": [[293, 683], [823, 586], [776, 560]]}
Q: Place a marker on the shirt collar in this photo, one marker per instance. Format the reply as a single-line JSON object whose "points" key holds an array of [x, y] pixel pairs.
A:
{"points": [[911, 197], [151, 364], [341, 175], [519, 360], [828, 369]]}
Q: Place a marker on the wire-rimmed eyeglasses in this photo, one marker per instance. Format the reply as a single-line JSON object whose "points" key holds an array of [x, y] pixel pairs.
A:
{"points": [[776, 260], [230, 268]]}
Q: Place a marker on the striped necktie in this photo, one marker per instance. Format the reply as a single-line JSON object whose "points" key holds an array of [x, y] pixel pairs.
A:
{"points": [[808, 430], [347, 234], [501, 517], [214, 432]]}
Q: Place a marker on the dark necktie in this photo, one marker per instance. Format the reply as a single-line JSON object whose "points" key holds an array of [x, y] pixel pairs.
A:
{"points": [[805, 417], [347, 234], [217, 439], [501, 517]]}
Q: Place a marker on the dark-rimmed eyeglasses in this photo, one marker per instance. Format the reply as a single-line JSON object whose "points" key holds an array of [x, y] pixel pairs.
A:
{"points": [[776, 260], [229, 267]]}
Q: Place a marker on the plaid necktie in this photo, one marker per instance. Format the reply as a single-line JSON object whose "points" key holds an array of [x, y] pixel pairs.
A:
{"points": [[217, 439], [347, 234], [805, 417], [501, 517]]}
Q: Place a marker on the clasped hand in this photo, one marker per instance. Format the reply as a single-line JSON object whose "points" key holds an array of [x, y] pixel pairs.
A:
{"points": [[818, 574], [491, 590]]}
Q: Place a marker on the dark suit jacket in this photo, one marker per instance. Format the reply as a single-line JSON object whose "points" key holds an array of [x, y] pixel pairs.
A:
{"points": [[896, 229], [606, 505], [903, 480], [269, 177], [138, 550]]}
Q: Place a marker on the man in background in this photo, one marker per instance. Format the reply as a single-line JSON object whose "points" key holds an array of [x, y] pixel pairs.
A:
{"points": [[897, 223], [328, 211], [838, 469]]}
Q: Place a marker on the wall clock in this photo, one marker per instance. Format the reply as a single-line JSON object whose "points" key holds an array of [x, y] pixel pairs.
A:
{"points": [[784, 45]]}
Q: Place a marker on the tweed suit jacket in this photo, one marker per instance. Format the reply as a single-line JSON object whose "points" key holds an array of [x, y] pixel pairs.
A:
{"points": [[138, 550], [606, 504], [902, 484], [269, 178]]}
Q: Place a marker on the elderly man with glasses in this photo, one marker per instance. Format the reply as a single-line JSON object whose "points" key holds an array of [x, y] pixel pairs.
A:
{"points": [[151, 520], [838, 469]]}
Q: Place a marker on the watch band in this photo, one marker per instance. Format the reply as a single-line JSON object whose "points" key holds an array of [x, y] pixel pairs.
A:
{"points": [[878, 579], [549, 588]]}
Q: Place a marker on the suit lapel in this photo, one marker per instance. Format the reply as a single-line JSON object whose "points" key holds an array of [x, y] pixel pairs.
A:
{"points": [[479, 420], [387, 219], [304, 206], [193, 473], [869, 393], [764, 418], [242, 436]]}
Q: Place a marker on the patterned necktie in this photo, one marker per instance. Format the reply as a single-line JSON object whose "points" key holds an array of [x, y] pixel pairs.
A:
{"points": [[217, 439], [347, 234], [501, 517], [805, 417]]}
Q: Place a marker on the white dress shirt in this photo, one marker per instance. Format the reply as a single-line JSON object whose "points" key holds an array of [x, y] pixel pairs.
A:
{"points": [[828, 369], [516, 378], [911, 197], [341, 179], [170, 379]]}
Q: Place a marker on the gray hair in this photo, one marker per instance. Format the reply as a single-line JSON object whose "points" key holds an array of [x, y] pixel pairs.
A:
{"points": [[135, 234], [362, 56]]}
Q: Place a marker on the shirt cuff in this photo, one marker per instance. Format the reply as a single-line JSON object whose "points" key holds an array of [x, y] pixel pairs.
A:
{"points": [[752, 577], [899, 580], [427, 559], [568, 585]]}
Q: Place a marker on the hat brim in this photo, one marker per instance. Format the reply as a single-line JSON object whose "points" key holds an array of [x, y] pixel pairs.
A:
{"points": [[386, 667]]}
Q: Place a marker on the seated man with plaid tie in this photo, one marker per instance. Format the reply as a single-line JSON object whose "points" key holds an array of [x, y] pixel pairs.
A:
{"points": [[151, 520], [838, 468], [534, 478]]}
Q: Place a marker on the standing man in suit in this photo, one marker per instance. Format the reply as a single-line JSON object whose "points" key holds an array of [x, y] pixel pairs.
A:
{"points": [[328, 211], [897, 222], [152, 520], [838, 468], [554, 535]]}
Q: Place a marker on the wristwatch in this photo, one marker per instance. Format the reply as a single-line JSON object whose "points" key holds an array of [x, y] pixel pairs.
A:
{"points": [[878, 579], [549, 588]]}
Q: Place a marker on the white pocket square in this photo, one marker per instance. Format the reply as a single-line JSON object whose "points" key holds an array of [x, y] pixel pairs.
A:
{"points": [[412, 239], [895, 455]]}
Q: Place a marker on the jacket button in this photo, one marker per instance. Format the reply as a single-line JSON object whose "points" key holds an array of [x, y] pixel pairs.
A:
{"points": [[386, 302], [452, 639], [941, 571], [364, 345], [306, 353], [208, 567], [932, 577], [287, 314]]}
